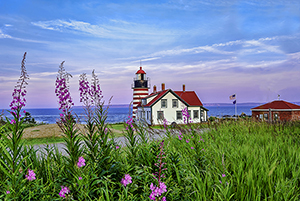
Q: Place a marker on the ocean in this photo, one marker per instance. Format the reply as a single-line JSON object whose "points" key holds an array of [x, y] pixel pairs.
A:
{"points": [[120, 113]]}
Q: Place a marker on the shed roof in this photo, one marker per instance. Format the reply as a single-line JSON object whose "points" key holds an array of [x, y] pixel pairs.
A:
{"points": [[277, 104]]}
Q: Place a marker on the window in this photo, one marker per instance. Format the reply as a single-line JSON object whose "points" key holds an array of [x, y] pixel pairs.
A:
{"points": [[160, 115], [163, 103], [265, 116], [260, 116], [190, 116], [196, 114], [275, 116], [178, 115], [174, 103], [143, 114]]}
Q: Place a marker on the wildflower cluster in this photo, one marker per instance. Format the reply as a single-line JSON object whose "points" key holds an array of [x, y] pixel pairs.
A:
{"points": [[62, 89], [90, 95], [129, 123], [84, 90], [165, 123], [95, 91], [126, 180], [19, 92], [180, 136], [64, 190], [81, 162], [157, 191], [31, 175], [186, 115]]}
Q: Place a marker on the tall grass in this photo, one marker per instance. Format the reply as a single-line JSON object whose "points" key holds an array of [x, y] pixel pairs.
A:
{"points": [[240, 160]]}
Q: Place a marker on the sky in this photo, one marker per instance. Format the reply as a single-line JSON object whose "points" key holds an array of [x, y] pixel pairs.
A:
{"points": [[216, 48]]}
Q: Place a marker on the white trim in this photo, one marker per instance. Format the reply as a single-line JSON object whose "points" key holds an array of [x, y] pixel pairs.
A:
{"points": [[139, 96], [141, 91]]}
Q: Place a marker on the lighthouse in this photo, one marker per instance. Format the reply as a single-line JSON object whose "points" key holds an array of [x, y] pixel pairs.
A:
{"points": [[140, 89]]}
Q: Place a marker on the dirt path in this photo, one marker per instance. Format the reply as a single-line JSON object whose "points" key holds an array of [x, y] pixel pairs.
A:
{"points": [[50, 130]]}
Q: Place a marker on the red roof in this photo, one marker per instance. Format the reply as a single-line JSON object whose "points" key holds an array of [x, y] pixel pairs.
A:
{"points": [[140, 71], [189, 97], [277, 104], [158, 94]]}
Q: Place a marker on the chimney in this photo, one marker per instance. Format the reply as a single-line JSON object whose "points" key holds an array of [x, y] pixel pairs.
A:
{"points": [[154, 89], [183, 87], [162, 86]]}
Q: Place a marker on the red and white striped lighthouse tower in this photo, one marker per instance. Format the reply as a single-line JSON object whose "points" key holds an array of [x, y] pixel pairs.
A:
{"points": [[140, 89]]}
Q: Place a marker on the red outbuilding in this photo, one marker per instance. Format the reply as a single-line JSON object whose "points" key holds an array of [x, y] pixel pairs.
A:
{"points": [[277, 110]]}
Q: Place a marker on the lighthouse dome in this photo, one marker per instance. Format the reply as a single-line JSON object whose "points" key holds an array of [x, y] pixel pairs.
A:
{"points": [[141, 71]]}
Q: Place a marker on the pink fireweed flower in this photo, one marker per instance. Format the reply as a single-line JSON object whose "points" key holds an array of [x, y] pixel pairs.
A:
{"points": [[157, 191], [223, 175], [192, 147], [64, 190], [12, 121], [24, 111], [30, 176], [90, 94], [19, 91], [117, 147], [126, 180], [62, 89], [129, 123], [186, 115], [7, 192], [180, 138], [187, 141], [81, 162], [95, 91], [79, 178], [165, 123]]}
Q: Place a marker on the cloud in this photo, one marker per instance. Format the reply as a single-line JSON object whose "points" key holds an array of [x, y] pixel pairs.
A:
{"points": [[230, 48], [2, 35], [114, 29]]}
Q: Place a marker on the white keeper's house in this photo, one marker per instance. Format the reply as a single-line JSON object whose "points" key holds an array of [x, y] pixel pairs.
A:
{"points": [[166, 104]]}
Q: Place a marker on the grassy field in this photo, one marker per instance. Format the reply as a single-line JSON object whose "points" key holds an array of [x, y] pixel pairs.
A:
{"points": [[231, 160]]}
